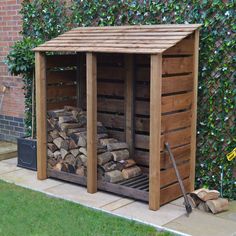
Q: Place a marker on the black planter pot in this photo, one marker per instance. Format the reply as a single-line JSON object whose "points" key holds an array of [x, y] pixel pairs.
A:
{"points": [[27, 153]]}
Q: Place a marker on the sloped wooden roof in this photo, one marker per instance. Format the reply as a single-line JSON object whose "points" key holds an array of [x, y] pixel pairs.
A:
{"points": [[120, 39]]}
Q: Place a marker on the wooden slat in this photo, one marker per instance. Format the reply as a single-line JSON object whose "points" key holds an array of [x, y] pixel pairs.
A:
{"points": [[180, 153], [61, 91], [112, 120], [120, 135], [111, 89], [51, 105], [40, 69], [111, 105], [56, 77], [61, 61], [194, 111], [173, 192], [91, 122], [169, 104], [174, 138], [111, 73], [168, 176], [129, 102], [155, 131]]}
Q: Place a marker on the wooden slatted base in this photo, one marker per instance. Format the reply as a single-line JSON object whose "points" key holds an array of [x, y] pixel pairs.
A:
{"points": [[136, 188]]}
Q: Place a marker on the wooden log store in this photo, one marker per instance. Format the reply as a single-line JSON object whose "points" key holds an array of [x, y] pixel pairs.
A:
{"points": [[141, 83]]}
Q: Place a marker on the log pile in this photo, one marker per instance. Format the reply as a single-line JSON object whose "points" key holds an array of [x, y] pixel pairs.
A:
{"points": [[67, 147], [208, 201]]}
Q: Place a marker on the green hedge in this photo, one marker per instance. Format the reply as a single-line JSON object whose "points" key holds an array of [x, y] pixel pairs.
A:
{"points": [[216, 134]]}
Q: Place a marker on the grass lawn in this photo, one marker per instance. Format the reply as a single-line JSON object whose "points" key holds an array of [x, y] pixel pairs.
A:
{"points": [[24, 212]]}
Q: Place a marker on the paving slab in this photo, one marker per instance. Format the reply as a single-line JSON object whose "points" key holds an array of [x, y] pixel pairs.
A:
{"points": [[178, 202], [117, 204], [79, 194], [28, 178], [139, 211], [11, 161], [7, 150], [230, 214], [203, 224], [5, 168]]}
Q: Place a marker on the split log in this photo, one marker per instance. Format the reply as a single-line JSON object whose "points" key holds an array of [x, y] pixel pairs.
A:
{"points": [[75, 130], [83, 150], [120, 155], [63, 134], [72, 108], [50, 153], [101, 135], [54, 134], [57, 113], [64, 167], [218, 205], [117, 146], [52, 147], [66, 119], [52, 124], [78, 162], [100, 173], [51, 162], [58, 142], [80, 171], [131, 172], [63, 153], [127, 163], [65, 144], [83, 159], [60, 166], [82, 141], [72, 144], [70, 159], [50, 139], [75, 152], [57, 155], [114, 176], [105, 141], [66, 126], [71, 169], [111, 165], [101, 130], [104, 158]]}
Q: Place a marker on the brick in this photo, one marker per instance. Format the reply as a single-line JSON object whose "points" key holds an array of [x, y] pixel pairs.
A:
{"points": [[19, 129], [15, 123], [18, 119], [9, 118], [5, 122], [9, 127]]}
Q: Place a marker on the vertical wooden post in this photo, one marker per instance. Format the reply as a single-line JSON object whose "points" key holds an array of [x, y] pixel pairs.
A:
{"points": [[129, 102], [91, 63], [40, 71], [194, 111], [155, 131], [80, 80]]}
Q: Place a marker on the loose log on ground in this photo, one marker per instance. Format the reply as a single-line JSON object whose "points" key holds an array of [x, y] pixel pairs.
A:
{"points": [[120, 155], [104, 158], [131, 172], [58, 142], [202, 206], [206, 194], [218, 205], [117, 146], [114, 176]]}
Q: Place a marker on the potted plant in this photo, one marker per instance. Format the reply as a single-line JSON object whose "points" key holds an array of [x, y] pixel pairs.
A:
{"points": [[20, 62]]}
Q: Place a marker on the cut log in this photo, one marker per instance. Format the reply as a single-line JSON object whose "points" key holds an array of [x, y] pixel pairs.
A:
{"points": [[83, 159], [218, 205], [120, 155], [75, 130], [66, 126], [51, 162], [64, 167], [54, 134], [72, 144], [63, 134], [52, 147], [128, 163], [117, 146], [65, 144], [58, 142], [83, 150], [66, 119], [206, 194], [105, 141], [58, 166], [57, 113], [75, 152], [70, 159], [50, 139], [78, 162], [114, 176], [71, 168], [111, 165], [82, 141], [63, 153], [80, 171], [50, 153], [57, 155], [104, 158], [52, 124], [131, 172]]}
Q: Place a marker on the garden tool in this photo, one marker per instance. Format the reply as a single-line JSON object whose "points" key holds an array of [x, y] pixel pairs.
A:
{"points": [[186, 201], [230, 156]]}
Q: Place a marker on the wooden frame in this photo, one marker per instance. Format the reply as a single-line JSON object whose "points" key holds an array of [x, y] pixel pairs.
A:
{"points": [[148, 99]]}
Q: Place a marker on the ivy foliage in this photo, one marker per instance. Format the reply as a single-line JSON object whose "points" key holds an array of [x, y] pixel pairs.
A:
{"points": [[216, 134]]}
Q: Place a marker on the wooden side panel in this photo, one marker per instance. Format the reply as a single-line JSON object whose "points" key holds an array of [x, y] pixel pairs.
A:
{"points": [[40, 69], [91, 63], [155, 132]]}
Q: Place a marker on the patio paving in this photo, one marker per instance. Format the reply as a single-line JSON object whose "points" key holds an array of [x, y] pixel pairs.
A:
{"points": [[170, 217]]}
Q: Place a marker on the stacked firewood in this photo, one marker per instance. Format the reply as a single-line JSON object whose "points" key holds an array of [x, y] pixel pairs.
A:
{"points": [[67, 147], [208, 201]]}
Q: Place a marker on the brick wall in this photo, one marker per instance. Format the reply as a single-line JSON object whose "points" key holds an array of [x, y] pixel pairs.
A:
{"points": [[12, 100]]}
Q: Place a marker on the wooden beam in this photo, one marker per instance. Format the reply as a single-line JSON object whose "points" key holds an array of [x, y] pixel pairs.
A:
{"points": [[40, 70], [129, 102], [91, 63], [194, 111], [80, 80], [155, 131]]}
